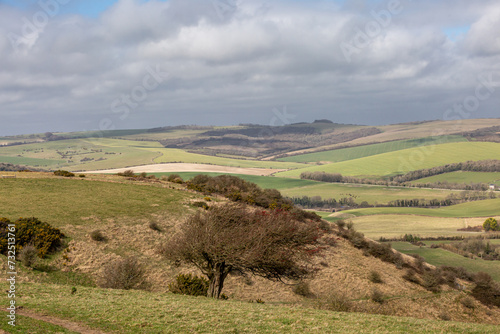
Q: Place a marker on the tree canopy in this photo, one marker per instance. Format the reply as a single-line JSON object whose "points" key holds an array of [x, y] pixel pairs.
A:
{"points": [[233, 238]]}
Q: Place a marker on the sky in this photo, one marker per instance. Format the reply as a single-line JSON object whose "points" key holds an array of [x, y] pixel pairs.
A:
{"points": [[81, 65]]}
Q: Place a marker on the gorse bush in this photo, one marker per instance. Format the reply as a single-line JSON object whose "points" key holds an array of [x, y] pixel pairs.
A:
{"points": [[97, 236], [31, 231], [64, 173], [187, 284]]}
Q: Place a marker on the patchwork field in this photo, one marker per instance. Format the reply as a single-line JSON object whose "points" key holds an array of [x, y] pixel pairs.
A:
{"points": [[403, 161], [463, 177], [486, 208], [357, 152], [394, 226]]}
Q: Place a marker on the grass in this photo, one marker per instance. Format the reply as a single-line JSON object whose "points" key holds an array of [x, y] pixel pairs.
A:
{"points": [[486, 208], [400, 162], [266, 182], [369, 150], [439, 256], [118, 311], [393, 226], [69, 201], [371, 194], [26, 325], [463, 177], [106, 153]]}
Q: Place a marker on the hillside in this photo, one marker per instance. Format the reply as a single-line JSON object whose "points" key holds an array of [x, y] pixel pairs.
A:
{"points": [[123, 209]]}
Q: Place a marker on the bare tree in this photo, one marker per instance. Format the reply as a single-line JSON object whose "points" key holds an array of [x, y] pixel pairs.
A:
{"points": [[232, 238]]}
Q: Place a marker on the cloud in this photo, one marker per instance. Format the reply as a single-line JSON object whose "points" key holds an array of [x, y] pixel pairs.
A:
{"points": [[237, 61]]}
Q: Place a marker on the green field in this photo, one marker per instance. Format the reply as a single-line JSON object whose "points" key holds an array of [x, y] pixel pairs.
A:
{"points": [[118, 311], [486, 208], [394, 226], [463, 177], [441, 257], [403, 161], [357, 152], [105, 153], [62, 202]]}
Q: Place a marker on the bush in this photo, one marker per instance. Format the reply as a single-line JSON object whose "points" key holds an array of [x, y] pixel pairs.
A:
{"points": [[444, 316], [81, 175], [31, 231], [468, 302], [97, 236], [28, 256], [200, 204], [303, 289], [187, 284], [431, 280], [64, 173], [486, 290], [175, 178], [338, 302], [377, 296], [154, 226], [375, 277], [126, 274], [127, 173], [491, 224], [411, 276]]}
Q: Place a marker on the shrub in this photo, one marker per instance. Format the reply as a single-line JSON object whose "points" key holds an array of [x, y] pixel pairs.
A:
{"points": [[64, 173], [486, 290], [126, 274], [303, 289], [341, 223], [31, 231], [28, 256], [444, 316], [200, 204], [377, 296], [491, 224], [337, 302], [97, 236], [468, 302], [411, 276], [81, 175], [175, 178], [187, 284], [431, 280], [375, 277], [127, 173], [154, 226]]}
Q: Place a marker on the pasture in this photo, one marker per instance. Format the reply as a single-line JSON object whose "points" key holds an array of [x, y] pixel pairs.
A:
{"points": [[400, 162], [463, 177], [357, 152], [394, 226], [486, 208], [441, 257]]}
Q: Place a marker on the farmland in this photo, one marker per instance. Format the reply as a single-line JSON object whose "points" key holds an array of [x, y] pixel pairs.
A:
{"points": [[399, 162], [463, 177], [357, 152]]}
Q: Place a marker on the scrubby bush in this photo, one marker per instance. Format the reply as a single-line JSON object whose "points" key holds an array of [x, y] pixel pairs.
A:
{"points": [[187, 284], [127, 273], [31, 231], [97, 236], [127, 173], [337, 302], [64, 173], [377, 296], [486, 290], [411, 276], [431, 280], [28, 256], [176, 178], [303, 289], [375, 277], [468, 302], [491, 224], [154, 226], [200, 204]]}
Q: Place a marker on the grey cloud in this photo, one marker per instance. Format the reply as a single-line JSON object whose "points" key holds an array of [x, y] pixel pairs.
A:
{"points": [[236, 67]]}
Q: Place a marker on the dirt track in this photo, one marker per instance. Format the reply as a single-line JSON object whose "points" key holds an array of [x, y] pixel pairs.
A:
{"points": [[185, 167]]}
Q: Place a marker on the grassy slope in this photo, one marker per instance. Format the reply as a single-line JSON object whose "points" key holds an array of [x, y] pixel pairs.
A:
{"points": [[369, 150], [69, 201], [439, 256], [484, 208], [142, 312], [462, 177], [28, 325], [406, 160]]}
